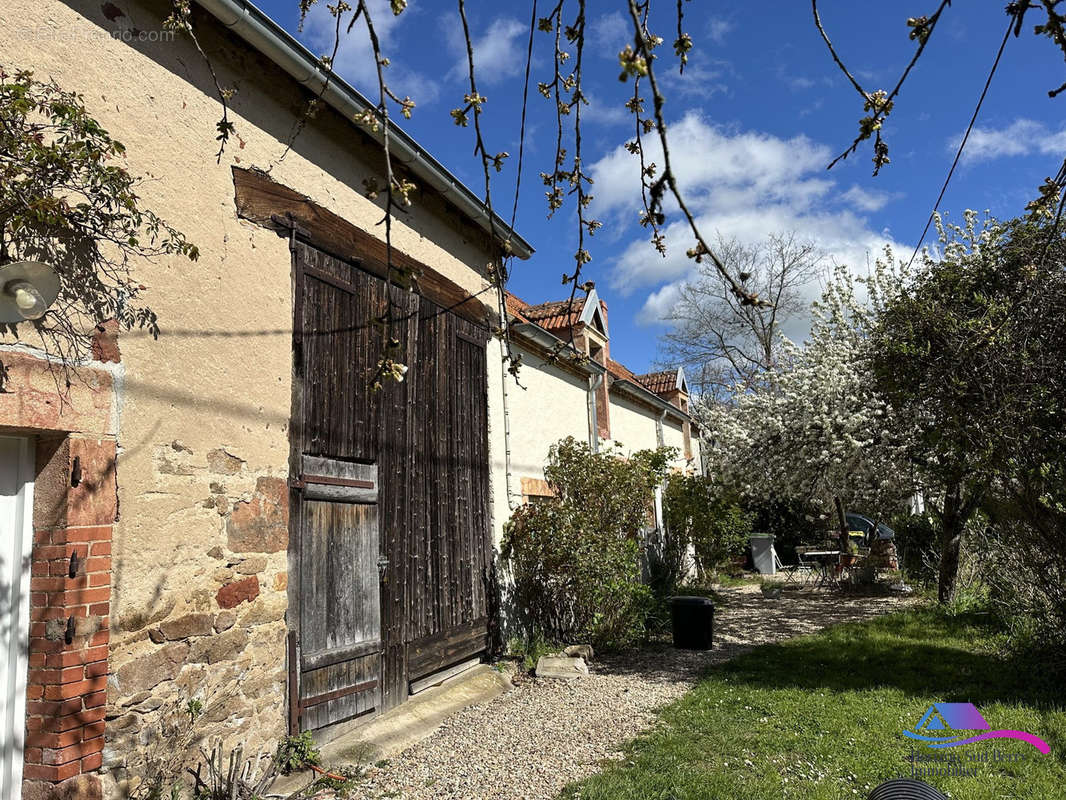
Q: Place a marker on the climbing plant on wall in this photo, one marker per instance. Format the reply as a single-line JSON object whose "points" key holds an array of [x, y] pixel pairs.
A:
{"points": [[67, 199]]}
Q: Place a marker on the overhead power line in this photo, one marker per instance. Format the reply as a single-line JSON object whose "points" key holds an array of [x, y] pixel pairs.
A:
{"points": [[965, 138]]}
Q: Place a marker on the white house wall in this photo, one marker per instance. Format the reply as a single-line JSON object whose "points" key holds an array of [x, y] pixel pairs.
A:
{"points": [[633, 427], [674, 436], [553, 405]]}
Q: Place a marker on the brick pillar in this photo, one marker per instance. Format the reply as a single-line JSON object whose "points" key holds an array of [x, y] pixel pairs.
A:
{"points": [[70, 590]]}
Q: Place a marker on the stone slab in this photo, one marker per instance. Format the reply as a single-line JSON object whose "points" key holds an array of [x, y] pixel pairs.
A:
{"points": [[565, 667], [410, 722], [580, 651]]}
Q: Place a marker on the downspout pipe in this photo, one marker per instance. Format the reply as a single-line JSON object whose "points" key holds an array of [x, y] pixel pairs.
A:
{"points": [[660, 435], [505, 379], [595, 381], [273, 41]]}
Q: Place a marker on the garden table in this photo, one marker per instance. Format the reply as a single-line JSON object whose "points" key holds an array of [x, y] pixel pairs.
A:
{"points": [[825, 560]]}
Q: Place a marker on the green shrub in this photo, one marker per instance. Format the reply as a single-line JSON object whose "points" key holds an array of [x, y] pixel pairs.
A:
{"points": [[699, 514], [792, 523], [575, 558], [528, 650], [1024, 572], [296, 753], [917, 543]]}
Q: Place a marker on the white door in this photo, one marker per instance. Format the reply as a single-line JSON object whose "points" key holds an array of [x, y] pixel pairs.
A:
{"points": [[16, 542]]}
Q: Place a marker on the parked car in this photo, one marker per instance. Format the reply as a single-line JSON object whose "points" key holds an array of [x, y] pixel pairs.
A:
{"points": [[859, 522]]}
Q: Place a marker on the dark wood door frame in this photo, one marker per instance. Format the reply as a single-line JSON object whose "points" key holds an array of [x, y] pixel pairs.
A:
{"points": [[436, 527]]}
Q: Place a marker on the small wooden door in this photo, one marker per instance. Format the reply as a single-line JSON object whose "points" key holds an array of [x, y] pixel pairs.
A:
{"points": [[16, 541], [340, 612]]}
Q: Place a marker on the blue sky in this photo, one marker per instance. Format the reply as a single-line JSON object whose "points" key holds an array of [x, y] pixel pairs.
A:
{"points": [[759, 113]]}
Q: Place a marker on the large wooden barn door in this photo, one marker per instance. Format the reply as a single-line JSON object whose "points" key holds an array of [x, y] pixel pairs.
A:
{"points": [[422, 444]]}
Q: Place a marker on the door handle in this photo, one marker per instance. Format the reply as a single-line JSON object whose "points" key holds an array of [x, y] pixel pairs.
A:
{"points": [[383, 566]]}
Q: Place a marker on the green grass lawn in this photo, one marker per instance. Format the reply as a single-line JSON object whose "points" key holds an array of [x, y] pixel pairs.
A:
{"points": [[821, 717]]}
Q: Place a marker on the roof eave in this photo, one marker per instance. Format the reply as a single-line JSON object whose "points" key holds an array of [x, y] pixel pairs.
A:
{"points": [[549, 341], [277, 44], [636, 390]]}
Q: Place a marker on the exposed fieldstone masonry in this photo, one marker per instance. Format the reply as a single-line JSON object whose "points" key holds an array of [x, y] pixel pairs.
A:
{"points": [[107, 661], [219, 637], [198, 419]]}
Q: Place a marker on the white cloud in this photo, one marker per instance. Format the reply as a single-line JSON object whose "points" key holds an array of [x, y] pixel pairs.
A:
{"points": [[498, 54], [1021, 138], [610, 33], [698, 80], [744, 184], [354, 61], [717, 29], [813, 107], [868, 199], [707, 157], [611, 114]]}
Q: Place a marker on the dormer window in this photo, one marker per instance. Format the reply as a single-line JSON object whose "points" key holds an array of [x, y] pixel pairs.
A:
{"points": [[596, 323]]}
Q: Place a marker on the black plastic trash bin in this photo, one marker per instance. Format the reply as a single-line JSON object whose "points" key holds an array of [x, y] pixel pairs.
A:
{"points": [[905, 789], [693, 622]]}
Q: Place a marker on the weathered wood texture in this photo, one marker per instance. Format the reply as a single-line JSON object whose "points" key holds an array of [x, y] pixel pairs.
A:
{"points": [[340, 615], [427, 438], [262, 200], [437, 651], [343, 481]]}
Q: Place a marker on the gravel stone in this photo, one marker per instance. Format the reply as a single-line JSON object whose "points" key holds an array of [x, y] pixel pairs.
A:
{"points": [[529, 743]]}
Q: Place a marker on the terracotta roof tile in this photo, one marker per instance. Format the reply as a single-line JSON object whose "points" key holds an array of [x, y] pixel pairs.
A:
{"points": [[622, 372], [660, 382], [516, 306], [556, 314], [553, 316]]}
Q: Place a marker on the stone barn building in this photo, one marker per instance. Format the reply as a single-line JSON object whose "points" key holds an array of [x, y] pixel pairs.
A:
{"points": [[229, 514]]}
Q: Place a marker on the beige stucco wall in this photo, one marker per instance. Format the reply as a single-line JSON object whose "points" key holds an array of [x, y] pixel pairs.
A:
{"points": [[633, 428], [632, 425], [555, 405], [204, 410], [552, 406], [674, 436]]}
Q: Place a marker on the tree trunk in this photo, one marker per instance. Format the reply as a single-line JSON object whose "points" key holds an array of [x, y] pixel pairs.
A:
{"points": [[842, 522], [952, 521]]}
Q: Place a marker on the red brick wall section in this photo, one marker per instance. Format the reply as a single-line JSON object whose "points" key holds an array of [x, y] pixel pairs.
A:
{"points": [[68, 649]]}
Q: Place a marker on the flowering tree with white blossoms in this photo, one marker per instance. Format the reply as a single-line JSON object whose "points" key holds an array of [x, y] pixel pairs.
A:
{"points": [[971, 356], [820, 431]]}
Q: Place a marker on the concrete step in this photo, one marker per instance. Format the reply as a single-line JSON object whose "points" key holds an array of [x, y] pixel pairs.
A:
{"points": [[394, 731]]}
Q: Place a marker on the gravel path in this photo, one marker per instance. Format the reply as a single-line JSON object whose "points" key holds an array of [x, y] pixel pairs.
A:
{"points": [[530, 742]]}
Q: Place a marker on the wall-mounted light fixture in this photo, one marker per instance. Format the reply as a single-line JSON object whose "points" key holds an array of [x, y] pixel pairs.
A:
{"points": [[28, 289]]}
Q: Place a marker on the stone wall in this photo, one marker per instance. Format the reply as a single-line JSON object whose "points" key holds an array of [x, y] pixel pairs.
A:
{"points": [[220, 638], [198, 418]]}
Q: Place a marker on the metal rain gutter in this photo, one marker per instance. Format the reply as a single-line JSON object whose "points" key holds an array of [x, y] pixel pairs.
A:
{"points": [[277, 44], [537, 334]]}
